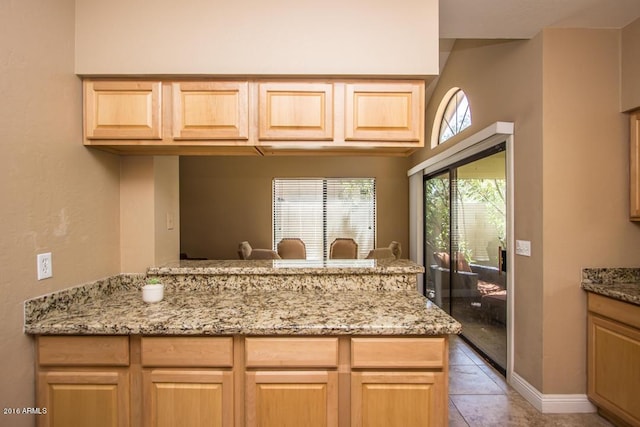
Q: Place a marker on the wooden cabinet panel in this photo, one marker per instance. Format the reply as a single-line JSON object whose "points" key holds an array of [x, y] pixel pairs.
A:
{"points": [[84, 398], [398, 352], [295, 111], [398, 399], [614, 368], [634, 167], [187, 351], [188, 398], [123, 109], [252, 381], [291, 398], [83, 351], [292, 352], [385, 112], [211, 110]]}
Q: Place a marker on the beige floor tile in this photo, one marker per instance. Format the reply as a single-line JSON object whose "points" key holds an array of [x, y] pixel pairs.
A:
{"points": [[458, 357], [494, 410], [455, 419], [470, 379], [480, 396]]}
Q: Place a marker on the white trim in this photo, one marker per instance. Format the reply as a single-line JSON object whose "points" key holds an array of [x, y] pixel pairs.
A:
{"points": [[497, 130], [552, 403]]}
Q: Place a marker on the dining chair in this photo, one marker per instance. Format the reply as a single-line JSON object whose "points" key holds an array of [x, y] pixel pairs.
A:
{"points": [[292, 248], [343, 248], [393, 251]]}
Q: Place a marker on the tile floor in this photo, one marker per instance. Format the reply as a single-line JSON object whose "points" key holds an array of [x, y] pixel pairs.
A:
{"points": [[480, 396]]}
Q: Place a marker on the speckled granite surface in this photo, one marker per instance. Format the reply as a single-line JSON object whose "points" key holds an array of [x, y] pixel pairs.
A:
{"points": [[289, 267], [622, 284], [290, 274], [199, 302], [301, 312]]}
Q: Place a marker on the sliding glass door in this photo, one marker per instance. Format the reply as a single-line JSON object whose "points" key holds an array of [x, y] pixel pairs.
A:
{"points": [[465, 235]]}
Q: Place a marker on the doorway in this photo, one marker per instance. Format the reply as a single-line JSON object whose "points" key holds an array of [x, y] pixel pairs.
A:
{"points": [[465, 246]]}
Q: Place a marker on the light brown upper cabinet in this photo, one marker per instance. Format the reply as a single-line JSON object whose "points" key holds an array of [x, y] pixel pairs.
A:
{"points": [[209, 116], [211, 110], [384, 112], [295, 111], [123, 109], [634, 167]]}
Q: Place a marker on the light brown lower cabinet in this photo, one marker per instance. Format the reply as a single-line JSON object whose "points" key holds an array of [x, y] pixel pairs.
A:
{"points": [[83, 381], [187, 398], [243, 381], [613, 358], [389, 399]]}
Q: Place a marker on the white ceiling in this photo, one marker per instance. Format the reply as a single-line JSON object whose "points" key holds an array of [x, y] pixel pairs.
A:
{"points": [[509, 19]]}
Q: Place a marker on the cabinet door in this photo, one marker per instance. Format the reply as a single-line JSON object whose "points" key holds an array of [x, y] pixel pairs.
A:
{"points": [[613, 362], [634, 167], [291, 398], [187, 398], [84, 398], [295, 111], [211, 110], [123, 110], [385, 112], [398, 399]]}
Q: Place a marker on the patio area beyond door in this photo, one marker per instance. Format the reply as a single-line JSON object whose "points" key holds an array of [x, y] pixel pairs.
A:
{"points": [[465, 248]]}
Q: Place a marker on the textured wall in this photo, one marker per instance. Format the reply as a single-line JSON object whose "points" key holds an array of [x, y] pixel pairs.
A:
{"points": [[57, 196], [630, 56]]}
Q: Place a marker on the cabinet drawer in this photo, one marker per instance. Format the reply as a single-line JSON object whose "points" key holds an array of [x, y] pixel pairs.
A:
{"points": [[187, 351], [397, 352], [291, 352], [83, 351], [619, 311]]}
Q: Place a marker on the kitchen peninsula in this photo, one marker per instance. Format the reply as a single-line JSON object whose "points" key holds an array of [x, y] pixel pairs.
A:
{"points": [[260, 342]]}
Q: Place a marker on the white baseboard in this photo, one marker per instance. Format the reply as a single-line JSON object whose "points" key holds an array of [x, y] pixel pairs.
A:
{"points": [[552, 403]]}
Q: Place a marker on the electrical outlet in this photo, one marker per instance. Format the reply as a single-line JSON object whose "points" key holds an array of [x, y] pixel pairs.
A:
{"points": [[45, 268]]}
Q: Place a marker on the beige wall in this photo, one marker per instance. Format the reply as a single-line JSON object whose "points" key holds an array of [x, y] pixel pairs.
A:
{"points": [[224, 201], [630, 57], [585, 181], [57, 196], [571, 180], [283, 37], [149, 191]]}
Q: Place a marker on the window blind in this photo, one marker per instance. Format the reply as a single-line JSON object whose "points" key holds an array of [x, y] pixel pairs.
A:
{"points": [[320, 210]]}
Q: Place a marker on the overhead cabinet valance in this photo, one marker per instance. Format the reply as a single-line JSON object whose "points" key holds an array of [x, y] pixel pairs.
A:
{"points": [[214, 117]]}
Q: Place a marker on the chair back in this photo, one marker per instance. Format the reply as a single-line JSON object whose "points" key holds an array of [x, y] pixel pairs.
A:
{"points": [[292, 248], [393, 251], [343, 248], [264, 254], [244, 250]]}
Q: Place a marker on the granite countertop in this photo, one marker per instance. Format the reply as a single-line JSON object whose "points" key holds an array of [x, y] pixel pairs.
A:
{"points": [[118, 309], [622, 284], [289, 267]]}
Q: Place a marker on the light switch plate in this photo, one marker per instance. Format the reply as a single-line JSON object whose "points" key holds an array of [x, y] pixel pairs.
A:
{"points": [[170, 222], [523, 247]]}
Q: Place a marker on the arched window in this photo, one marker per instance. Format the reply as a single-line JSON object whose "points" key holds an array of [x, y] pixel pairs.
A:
{"points": [[454, 115]]}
